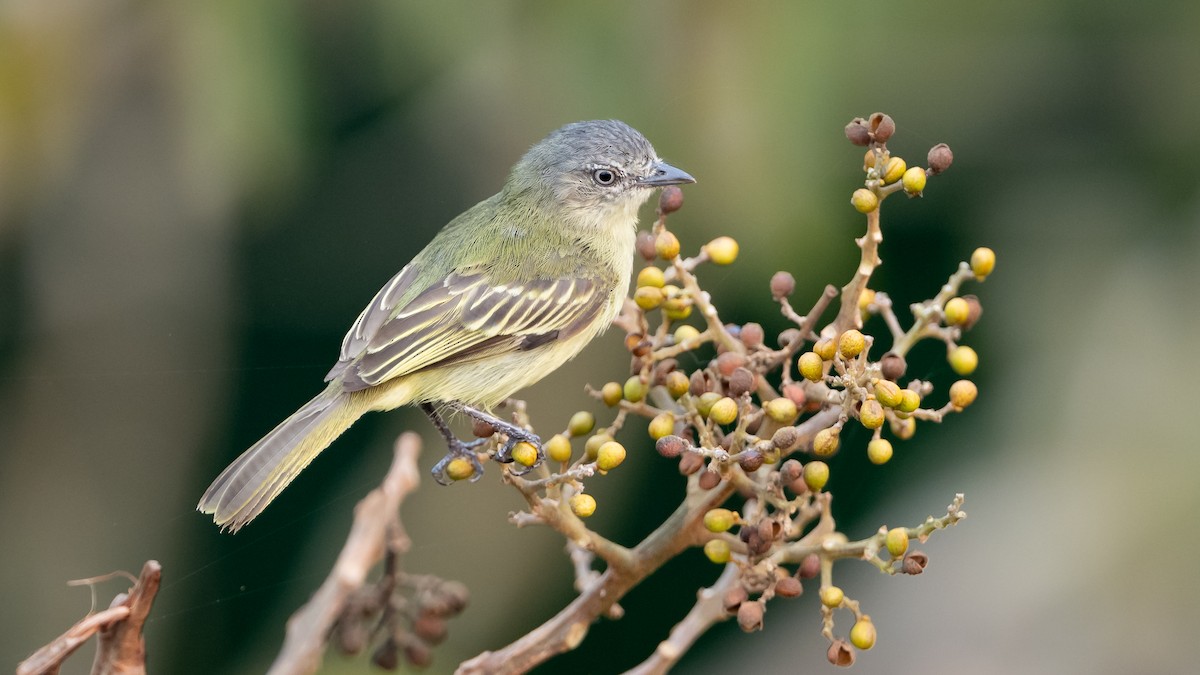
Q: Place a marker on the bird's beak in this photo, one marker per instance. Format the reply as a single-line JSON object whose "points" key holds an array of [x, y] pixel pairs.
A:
{"points": [[665, 174]]}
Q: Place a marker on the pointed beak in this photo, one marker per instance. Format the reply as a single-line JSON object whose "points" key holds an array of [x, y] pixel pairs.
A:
{"points": [[665, 174]]}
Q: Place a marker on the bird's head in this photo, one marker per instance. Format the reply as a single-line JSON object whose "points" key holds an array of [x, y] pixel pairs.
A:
{"points": [[597, 169]]}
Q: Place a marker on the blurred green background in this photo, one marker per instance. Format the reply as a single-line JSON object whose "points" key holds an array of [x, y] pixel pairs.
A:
{"points": [[196, 199]]}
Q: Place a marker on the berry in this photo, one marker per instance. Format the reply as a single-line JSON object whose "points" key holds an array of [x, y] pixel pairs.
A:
{"points": [[864, 201], [832, 596], [983, 261], [963, 393], [722, 250], [812, 368], [816, 475], [862, 635], [525, 454], [610, 455], [558, 448], [719, 520], [851, 344], [717, 551], [963, 360], [581, 423], [460, 468], [896, 541], [914, 181], [879, 450], [871, 414], [651, 276], [583, 505], [666, 245]]}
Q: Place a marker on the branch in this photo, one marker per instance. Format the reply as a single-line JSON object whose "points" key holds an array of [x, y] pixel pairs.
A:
{"points": [[376, 529], [122, 647]]}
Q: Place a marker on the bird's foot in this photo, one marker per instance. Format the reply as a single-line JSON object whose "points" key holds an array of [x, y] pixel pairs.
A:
{"points": [[446, 474], [515, 435]]}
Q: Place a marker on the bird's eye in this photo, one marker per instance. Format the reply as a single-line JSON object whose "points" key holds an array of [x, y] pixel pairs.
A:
{"points": [[604, 176]]}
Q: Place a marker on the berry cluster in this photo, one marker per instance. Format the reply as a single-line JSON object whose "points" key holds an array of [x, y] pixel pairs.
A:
{"points": [[733, 418]]}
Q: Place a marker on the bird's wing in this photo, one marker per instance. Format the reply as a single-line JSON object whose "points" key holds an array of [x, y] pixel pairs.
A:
{"points": [[465, 316]]}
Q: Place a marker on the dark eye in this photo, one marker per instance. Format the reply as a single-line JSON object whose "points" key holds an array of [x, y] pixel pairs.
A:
{"points": [[604, 176]]}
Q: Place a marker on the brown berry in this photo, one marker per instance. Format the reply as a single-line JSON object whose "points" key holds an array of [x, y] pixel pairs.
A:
{"points": [[750, 616], [670, 446], [734, 597], [892, 366], [788, 587], [670, 200], [785, 438], [709, 480], [481, 429], [645, 246], [750, 460], [914, 563], [752, 335], [742, 381], [783, 284], [882, 127], [728, 362], [690, 463], [857, 132], [939, 159], [840, 654]]}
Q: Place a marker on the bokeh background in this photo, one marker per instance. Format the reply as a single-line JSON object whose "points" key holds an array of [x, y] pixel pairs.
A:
{"points": [[196, 199]]}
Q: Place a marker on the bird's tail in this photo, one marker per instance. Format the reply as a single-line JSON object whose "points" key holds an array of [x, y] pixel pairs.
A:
{"points": [[255, 478]]}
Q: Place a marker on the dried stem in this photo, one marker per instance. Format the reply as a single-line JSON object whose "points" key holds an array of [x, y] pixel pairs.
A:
{"points": [[376, 529], [122, 648]]}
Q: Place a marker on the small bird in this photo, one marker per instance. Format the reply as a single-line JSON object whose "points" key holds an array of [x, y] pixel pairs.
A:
{"points": [[506, 293]]}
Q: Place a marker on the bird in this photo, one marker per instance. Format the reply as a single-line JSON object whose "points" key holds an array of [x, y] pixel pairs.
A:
{"points": [[503, 295]]}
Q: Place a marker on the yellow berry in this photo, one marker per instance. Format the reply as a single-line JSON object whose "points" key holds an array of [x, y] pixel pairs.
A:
{"points": [[888, 393], [851, 344], [871, 414], [651, 276], [611, 393], [724, 411], [914, 180], [666, 245], [909, 401], [894, 169], [825, 348], [816, 475], [460, 468], [963, 360], [864, 201], [825, 443], [983, 261], [963, 393], [581, 423], [525, 454], [634, 390], [832, 596], [583, 505], [717, 551], [705, 403], [812, 368], [677, 308], [722, 250], [904, 428], [592, 447], [879, 450], [862, 635], [896, 541], [663, 424], [719, 520], [558, 448], [865, 299], [957, 311], [685, 333], [648, 297], [782, 410], [610, 455], [677, 383]]}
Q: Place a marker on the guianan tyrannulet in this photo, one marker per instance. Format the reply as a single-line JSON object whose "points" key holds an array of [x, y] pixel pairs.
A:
{"points": [[503, 295]]}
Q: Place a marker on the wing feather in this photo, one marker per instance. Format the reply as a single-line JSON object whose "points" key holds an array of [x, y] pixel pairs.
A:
{"points": [[463, 317]]}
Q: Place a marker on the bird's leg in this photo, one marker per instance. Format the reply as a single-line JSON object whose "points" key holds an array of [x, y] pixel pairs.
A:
{"points": [[515, 434], [456, 448]]}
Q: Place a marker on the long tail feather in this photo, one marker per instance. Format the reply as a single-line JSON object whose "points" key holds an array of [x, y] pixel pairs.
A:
{"points": [[255, 478]]}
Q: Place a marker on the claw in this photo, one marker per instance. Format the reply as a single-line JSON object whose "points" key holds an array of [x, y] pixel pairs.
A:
{"points": [[440, 470]]}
